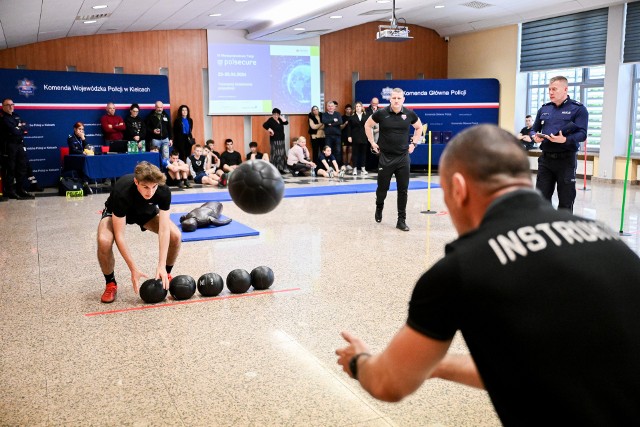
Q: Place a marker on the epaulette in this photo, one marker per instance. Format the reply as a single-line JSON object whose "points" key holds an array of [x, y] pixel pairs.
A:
{"points": [[548, 103], [574, 102]]}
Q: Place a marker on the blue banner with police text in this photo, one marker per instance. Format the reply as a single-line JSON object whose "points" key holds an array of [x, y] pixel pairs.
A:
{"points": [[50, 102]]}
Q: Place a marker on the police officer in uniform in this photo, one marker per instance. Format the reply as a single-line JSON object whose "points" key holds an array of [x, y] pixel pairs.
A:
{"points": [[559, 128], [15, 154], [556, 347], [394, 148]]}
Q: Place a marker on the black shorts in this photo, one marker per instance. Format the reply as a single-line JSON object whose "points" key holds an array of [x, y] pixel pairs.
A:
{"points": [[140, 220]]}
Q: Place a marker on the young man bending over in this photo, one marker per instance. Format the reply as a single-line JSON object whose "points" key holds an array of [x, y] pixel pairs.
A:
{"points": [[140, 198]]}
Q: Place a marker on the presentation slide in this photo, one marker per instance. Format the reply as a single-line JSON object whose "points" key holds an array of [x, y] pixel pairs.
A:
{"points": [[246, 79]]}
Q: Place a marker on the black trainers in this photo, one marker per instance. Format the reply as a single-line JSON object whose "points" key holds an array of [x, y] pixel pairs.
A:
{"points": [[24, 195], [187, 183], [180, 185], [378, 215], [401, 225]]}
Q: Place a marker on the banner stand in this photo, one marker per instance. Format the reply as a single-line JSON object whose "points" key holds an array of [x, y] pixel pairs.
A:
{"points": [[624, 188], [584, 174]]}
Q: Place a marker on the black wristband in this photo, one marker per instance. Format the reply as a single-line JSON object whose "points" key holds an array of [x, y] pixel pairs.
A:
{"points": [[353, 364]]}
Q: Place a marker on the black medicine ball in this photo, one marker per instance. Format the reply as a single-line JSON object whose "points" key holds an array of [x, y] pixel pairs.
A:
{"points": [[261, 278], [256, 187], [152, 292], [238, 281], [182, 287], [210, 284]]}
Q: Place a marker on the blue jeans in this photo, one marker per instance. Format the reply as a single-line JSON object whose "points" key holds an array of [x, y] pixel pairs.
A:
{"points": [[163, 146]]}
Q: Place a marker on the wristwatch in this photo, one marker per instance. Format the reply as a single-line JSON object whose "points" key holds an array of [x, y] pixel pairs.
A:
{"points": [[353, 364]]}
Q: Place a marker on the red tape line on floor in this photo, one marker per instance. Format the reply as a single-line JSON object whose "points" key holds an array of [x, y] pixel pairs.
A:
{"points": [[172, 304]]}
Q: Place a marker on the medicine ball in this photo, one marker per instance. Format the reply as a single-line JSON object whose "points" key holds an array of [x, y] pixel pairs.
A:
{"points": [[210, 284], [261, 278], [256, 187], [182, 287], [152, 292], [238, 281]]}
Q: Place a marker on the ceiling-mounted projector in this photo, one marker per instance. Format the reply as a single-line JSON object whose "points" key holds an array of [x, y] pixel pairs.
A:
{"points": [[393, 32]]}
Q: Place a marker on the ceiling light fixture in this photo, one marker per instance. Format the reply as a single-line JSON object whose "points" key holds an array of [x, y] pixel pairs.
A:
{"points": [[440, 6], [215, 14], [90, 22], [298, 29], [100, 6], [383, 1], [336, 17]]}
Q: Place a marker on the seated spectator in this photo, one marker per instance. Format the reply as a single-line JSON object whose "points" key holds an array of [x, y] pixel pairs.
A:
{"points": [[197, 168], [112, 124], [135, 129], [212, 160], [327, 164], [177, 171], [254, 154], [229, 160], [77, 142], [298, 158]]}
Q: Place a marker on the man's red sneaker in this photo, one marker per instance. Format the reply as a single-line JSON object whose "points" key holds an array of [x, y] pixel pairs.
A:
{"points": [[110, 292]]}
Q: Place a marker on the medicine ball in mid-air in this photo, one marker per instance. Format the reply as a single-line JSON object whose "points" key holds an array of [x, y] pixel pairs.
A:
{"points": [[261, 278], [256, 187], [238, 281], [151, 291], [210, 285], [182, 287]]}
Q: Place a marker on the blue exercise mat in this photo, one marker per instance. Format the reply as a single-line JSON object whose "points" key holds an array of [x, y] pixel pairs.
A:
{"points": [[324, 190], [231, 230]]}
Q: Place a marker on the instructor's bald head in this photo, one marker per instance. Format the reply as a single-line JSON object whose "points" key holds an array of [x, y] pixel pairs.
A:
{"points": [[480, 164]]}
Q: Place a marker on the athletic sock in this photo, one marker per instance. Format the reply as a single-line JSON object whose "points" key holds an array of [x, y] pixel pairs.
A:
{"points": [[169, 268], [111, 277]]}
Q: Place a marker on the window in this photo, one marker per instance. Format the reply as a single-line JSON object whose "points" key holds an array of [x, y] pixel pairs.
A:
{"points": [[585, 85]]}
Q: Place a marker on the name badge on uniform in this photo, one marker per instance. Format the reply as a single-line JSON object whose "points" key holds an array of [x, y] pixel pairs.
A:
{"points": [[335, 119], [164, 119], [404, 117]]}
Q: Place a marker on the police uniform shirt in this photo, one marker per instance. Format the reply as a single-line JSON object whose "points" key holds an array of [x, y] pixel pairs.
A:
{"points": [[571, 117], [394, 129], [547, 304], [126, 201]]}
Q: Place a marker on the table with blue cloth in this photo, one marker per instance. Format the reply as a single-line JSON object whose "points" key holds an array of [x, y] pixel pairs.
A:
{"points": [[108, 165], [420, 155]]}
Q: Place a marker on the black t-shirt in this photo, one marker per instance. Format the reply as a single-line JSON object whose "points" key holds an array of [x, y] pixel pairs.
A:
{"points": [[547, 303], [394, 129], [197, 164], [126, 201], [258, 156], [230, 159], [528, 145], [329, 160]]}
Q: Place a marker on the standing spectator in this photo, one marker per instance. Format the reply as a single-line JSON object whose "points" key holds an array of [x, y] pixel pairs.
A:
{"points": [[135, 129], [371, 160], [182, 132], [112, 125], [525, 133], [394, 148], [345, 134], [14, 153], [546, 302], [332, 121], [562, 126], [358, 138], [316, 132], [159, 130], [275, 127], [254, 154], [298, 158]]}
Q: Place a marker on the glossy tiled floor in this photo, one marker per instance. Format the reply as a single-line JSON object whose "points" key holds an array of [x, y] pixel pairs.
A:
{"points": [[262, 359]]}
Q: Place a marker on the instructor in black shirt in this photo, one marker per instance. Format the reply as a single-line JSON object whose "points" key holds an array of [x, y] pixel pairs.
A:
{"points": [[394, 148]]}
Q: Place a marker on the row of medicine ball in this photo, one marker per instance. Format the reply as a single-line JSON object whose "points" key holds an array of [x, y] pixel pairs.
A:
{"points": [[209, 284]]}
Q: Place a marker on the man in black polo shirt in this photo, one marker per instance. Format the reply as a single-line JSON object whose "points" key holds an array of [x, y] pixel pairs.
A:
{"points": [[394, 148], [140, 198], [547, 302]]}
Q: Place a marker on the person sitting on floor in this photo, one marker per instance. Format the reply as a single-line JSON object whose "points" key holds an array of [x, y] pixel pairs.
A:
{"points": [[298, 158], [177, 171], [197, 163], [327, 164], [254, 154]]}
